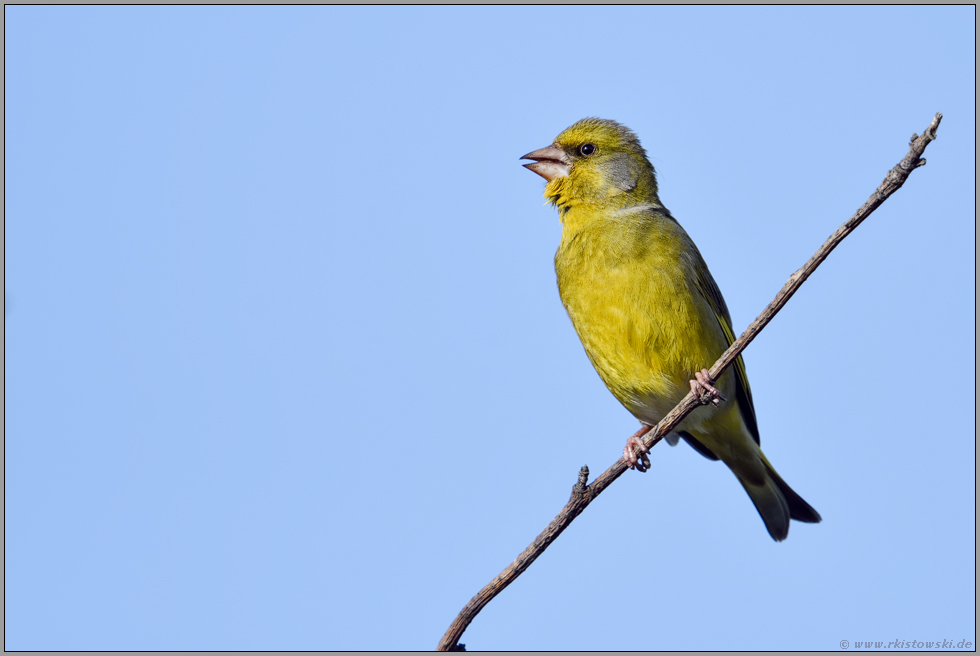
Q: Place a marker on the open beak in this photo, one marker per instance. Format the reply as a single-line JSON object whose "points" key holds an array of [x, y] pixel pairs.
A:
{"points": [[549, 163]]}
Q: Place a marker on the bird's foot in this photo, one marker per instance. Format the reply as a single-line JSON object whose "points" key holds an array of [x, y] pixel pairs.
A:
{"points": [[635, 452], [703, 390]]}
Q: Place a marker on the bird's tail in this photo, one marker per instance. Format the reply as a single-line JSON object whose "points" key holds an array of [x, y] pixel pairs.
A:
{"points": [[777, 503]]}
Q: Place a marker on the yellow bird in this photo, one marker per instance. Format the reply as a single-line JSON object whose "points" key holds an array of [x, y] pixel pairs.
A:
{"points": [[648, 311]]}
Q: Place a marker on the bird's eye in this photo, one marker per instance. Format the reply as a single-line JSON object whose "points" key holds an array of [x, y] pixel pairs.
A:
{"points": [[587, 149]]}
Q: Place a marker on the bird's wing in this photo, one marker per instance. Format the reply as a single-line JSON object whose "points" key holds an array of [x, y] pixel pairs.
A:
{"points": [[708, 289]]}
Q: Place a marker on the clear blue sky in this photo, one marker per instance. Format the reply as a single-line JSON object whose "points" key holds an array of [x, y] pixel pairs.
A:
{"points": [[286, 366]]}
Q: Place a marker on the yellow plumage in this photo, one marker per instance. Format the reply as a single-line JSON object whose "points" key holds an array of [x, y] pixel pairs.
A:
{"points": [[645, 306]]}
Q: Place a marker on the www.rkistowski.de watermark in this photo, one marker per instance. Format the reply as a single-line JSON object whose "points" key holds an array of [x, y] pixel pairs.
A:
{"points": [[907, 644]]}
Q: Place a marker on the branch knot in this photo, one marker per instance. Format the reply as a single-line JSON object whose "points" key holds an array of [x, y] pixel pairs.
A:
{"points": [[582, 485]]}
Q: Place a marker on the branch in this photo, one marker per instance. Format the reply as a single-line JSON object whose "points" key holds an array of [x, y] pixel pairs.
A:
{"points": [[583, 495]]}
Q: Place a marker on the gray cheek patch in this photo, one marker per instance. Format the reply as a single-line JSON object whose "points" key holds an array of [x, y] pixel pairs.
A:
{"points": [[622, 171]]}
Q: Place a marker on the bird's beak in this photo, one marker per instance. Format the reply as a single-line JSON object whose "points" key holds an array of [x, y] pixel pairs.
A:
{"points": [[549, 163]]}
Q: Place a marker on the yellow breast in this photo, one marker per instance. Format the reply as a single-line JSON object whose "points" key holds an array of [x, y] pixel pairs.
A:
{"points": [[627, 282]]}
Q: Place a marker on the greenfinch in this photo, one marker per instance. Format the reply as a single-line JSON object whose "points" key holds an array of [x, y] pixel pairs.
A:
{"points": [[647, 310]]}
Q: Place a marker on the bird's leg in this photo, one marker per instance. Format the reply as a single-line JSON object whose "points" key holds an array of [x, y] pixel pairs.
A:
{"points": [[634, 446], [702, 388]]}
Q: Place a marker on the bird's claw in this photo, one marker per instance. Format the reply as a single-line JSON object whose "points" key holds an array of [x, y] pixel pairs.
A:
{"points": [[635, 452], [704, 391]]}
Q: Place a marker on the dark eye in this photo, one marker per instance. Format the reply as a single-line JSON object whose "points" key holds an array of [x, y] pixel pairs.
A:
{"points": [[587, 149]]}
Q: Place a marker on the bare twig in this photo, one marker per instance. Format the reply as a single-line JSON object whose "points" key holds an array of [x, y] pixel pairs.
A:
{"points": [[583, 495]]}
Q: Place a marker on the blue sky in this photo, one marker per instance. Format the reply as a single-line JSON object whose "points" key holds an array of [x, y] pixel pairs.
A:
{"points": [[286, 366]]}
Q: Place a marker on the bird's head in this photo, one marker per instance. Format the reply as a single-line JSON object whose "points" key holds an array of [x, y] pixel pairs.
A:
{"points": [[595, 162]]}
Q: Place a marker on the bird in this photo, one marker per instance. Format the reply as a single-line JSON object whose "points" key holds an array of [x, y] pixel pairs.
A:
{"points": [[647, 310]]}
